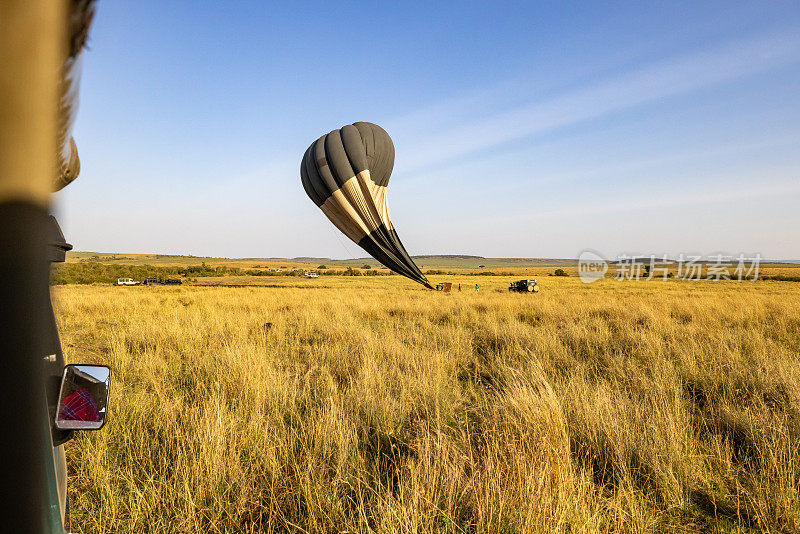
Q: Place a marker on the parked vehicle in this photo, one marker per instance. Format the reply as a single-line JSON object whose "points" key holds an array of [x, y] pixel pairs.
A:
{"points": [[524, 286], [173, 282], [77, 395], [125, 282], [43, 402]]}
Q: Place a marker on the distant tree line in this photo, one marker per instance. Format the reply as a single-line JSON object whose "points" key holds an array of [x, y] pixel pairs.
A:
{"points": [[92, 272], [780, 278]]}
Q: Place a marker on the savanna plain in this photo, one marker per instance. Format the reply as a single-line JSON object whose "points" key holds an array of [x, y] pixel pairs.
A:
{"points": [[367, 404]]}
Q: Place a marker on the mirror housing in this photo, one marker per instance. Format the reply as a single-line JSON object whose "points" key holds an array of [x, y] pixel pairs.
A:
{"points": [[83, 397]]}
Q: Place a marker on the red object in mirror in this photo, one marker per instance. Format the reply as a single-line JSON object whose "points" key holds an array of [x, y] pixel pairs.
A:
{"points": [[80, 406]]}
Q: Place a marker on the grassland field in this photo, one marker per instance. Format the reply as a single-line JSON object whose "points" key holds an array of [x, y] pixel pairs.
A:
{"points": [[368, 404]]}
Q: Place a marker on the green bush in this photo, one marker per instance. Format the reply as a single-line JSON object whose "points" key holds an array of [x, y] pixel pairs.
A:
{"points": [[560, 272]]}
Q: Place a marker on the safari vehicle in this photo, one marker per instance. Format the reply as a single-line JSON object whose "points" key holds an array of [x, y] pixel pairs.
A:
{"points": [[524, 286], [42, 402], [125, 282], [77, 395]]}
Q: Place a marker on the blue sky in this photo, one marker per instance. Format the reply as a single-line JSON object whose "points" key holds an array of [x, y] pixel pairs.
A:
{"points": [[521, 129]]}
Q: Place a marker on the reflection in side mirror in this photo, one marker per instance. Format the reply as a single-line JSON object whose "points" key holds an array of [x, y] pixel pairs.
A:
{"points": [[83, 398]]}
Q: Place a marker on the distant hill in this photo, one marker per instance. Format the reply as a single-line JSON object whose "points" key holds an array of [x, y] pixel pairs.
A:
{"points": [[453, 261], [426, 261]]}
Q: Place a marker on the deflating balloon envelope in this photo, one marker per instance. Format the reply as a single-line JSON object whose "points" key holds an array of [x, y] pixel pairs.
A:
{"points": [[346, 173]]}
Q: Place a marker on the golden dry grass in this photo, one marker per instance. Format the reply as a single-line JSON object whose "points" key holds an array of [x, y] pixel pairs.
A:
{"points": [[368, 405]]}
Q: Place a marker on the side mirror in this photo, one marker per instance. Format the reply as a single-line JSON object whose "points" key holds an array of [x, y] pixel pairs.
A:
{"points": [[83, 397]]}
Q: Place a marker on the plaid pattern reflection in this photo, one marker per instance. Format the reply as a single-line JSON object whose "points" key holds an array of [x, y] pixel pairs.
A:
{"points": [[80, 406]]}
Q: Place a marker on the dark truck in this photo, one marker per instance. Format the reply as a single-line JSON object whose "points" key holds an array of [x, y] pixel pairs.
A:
{"points": [[157, 282], [524, 286]]}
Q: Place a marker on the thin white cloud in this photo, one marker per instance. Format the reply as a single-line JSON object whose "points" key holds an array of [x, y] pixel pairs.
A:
{"points": [[659, 80], [717, 190], [565, 172]]}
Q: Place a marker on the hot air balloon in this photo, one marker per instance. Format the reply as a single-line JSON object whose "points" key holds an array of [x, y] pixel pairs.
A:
{"points": [[345, 173]]}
